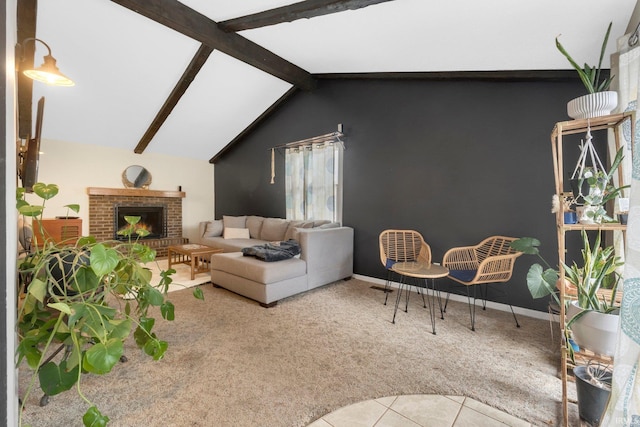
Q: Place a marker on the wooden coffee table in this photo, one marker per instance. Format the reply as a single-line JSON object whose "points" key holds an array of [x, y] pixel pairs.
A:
{"points": [[198, 256]]}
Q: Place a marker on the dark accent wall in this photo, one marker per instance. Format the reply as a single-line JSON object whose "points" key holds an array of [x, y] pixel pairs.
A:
{"points": [[456, 160]]}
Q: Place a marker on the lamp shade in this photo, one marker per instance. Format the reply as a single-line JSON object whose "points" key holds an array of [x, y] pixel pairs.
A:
{"points": [[48, 72]]}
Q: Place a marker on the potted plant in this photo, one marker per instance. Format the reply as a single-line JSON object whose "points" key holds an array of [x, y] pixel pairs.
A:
{"points": [[565, 203], [593, 286], [85, 298], [592, 184], [599, 101], [593, 314]]}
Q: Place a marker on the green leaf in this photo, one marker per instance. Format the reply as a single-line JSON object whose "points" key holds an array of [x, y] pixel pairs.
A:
{"points": [[147, 323], [133, 220], [103, 260], [30, 210], [153, 296], [55, 379], [45, 191], [78, 310], [60, 306], [527, 245], [141, 337], [541, 283], [74, 207], [156, 348], [94, 418], [85, 280], [197, 292], [142, 232], [102, 357], [167, 309], [86, 241], [38, 289], [21, 202], [121, 329]]}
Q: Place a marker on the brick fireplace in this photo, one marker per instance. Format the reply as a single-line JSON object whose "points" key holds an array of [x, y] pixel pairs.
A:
{"points": [[102, 208]]}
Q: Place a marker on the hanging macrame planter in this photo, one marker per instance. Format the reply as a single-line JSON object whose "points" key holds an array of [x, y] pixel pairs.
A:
{"points": [[588, 183]]}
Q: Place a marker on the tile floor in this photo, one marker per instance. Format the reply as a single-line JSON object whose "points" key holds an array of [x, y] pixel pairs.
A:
{"points": [[419, 411]]}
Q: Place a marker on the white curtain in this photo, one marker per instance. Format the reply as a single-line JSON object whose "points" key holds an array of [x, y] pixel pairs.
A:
{"points": [[624, 405], [312, 182]]}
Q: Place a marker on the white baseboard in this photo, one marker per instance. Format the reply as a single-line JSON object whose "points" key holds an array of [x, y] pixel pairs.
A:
{"points": [[461, 298]]}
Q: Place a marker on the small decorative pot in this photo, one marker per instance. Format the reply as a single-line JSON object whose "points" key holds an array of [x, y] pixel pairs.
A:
{"points": [[592, 105], [623, 218], [570, 217]]}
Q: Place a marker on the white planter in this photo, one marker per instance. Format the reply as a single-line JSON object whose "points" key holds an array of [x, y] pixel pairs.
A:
{"points": [[584, 216], [594, 331], [592, 105]]}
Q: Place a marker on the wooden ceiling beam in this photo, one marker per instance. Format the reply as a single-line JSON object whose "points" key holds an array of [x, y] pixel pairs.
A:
{"points": [[26, 12], [187, 21], [304, 9], [189, 74]]}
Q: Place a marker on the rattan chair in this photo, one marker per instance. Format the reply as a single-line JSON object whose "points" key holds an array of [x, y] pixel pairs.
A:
{"points": [[489, 262], [401, 246]]}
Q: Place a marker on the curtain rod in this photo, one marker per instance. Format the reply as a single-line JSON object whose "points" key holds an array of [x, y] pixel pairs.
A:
{"points": [[332, 137]]}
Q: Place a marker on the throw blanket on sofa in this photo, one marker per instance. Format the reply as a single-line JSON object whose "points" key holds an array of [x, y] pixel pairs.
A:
{"points": [[275, 251]]}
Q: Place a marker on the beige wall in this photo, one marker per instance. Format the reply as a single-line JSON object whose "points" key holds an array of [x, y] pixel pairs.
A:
{"points": [[74, 167]]}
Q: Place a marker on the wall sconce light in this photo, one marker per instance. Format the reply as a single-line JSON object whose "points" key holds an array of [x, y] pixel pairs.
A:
{"points": [[48, 72]]}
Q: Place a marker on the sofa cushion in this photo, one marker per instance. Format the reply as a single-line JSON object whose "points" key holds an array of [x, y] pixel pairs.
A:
{"points": [[236, 233], [213, 228], [273, 229], [328, 225], [234, 221], [292, 229], [258, 271], [254, 224], [230, 245]]}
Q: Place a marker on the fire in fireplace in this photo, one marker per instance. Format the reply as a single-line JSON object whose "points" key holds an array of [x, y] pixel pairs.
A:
{"points": [[153, 218]]}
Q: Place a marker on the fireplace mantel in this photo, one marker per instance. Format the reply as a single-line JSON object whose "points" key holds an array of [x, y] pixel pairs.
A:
{"points": [[133, 192]]}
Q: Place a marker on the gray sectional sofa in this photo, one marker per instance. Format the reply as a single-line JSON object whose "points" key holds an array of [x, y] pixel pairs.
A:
{"points": [[326, 256]]}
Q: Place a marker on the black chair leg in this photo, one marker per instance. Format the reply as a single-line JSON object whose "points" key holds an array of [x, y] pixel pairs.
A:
{"points": [[483, 295], [472, 310], [387, 286]]}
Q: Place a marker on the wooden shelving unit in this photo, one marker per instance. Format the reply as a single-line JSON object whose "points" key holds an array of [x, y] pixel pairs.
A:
{"points": [[614, 122]]}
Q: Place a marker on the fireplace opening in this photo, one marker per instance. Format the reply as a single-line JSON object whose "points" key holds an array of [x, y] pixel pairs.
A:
{"points": [[153, 218]]}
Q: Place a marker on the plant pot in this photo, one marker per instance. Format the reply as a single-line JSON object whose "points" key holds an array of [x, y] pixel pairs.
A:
{"points": [[570, 217], [594, 331], [589, 214], [592, 105], [623, 218], [592, 398]]}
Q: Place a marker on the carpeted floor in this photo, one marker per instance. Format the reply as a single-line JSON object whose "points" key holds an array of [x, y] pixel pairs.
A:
{"points": [[231, 362]]}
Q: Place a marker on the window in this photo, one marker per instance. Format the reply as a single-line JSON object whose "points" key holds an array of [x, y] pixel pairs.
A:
{"points": [[313, 182]]}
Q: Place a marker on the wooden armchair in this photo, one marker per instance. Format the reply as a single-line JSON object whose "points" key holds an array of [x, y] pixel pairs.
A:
{"points": [[401, 246], [489, 262]]}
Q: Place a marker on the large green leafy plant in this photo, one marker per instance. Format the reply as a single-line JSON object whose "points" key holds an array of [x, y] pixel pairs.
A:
{"points": [[599, 271], [590, 75], [87, 298]]}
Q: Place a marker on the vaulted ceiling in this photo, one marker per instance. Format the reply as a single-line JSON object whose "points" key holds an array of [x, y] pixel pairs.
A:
{"points": [[186, 78]]}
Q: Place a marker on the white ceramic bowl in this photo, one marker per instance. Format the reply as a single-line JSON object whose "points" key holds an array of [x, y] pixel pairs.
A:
{"points": [[592, 105]]}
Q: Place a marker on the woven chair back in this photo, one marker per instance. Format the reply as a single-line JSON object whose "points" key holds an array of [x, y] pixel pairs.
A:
{"points": [[403, 246], [494, 246]]}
